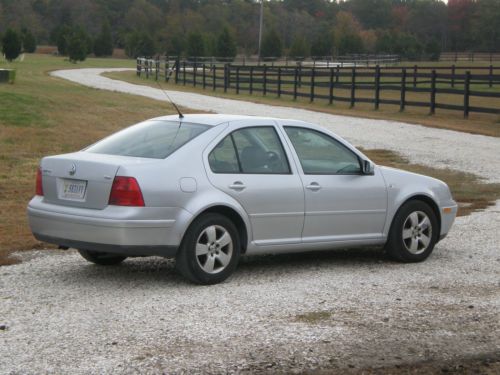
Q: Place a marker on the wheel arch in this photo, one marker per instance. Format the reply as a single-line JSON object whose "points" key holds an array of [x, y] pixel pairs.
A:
{"points": [[230, 213], [423, 198]]}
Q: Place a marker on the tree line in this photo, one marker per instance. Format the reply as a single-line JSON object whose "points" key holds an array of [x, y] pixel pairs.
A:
{"points": [[299, 28]]}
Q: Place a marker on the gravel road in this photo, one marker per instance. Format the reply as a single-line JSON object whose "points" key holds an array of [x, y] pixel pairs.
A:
{"points": [[336, 311], [333, 311], [436, 147]]}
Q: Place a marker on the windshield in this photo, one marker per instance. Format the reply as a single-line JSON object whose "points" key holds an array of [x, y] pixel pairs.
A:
{"points": [[149, 139]]}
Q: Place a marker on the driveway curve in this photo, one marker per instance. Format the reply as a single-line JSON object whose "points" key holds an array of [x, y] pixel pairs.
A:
{"points": [[440, 148]]}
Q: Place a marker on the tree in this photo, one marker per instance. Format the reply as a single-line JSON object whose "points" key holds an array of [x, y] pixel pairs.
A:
{"points": [[226, 46], [103, 44], [78, 45], [29, 40], [195, 44], [271, 45], [62, 35], [11, 45], [299, 47], [139, 44], [322, 44]]}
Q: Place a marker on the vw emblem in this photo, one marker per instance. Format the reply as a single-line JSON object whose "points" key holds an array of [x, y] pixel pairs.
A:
{"points": [[72, 171]]}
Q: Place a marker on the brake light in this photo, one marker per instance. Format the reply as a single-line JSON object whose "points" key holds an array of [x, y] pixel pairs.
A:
{"points": [[39, 186], [126, 192]]}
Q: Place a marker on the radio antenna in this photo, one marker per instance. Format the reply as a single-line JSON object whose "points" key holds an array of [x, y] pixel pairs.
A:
{"points": [[170, 100]]}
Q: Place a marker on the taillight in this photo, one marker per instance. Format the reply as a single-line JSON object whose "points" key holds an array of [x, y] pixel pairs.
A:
{"points": [[39, 186], [126, 192]]}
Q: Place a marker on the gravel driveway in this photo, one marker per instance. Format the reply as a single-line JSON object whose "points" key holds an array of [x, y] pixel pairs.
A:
{"points": [[338, 310]]}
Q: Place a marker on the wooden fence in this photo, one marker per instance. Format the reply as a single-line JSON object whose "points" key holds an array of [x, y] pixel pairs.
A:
{"points": [[470, 56], [410, 86]]}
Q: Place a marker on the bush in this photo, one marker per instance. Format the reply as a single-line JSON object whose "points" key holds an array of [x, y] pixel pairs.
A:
{"points": [[78, 45], [139, 44], [29, 41], [195, 44], [226, 46], [299, 47], [103, 44], [271, 45], [11, 45]]}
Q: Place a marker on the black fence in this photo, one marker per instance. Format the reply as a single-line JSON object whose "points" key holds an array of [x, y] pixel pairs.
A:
{"points": [[466, 89]]}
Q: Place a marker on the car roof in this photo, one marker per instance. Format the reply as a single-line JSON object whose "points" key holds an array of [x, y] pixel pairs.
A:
{"points": [[213, 119]]}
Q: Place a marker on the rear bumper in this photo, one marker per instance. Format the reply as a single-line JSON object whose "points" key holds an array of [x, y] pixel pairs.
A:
{"points": [[124, 230]]}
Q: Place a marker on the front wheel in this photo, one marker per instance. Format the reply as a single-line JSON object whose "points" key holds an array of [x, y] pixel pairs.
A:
{"points": [[210, 250], [413, 233], [102, 259]]}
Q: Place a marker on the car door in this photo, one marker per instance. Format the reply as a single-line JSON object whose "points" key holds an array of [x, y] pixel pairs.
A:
{"points": [[341, 203], [251, 165]]}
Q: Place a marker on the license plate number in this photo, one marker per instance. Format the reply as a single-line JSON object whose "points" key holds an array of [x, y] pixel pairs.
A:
{"points": [[74, 189]]}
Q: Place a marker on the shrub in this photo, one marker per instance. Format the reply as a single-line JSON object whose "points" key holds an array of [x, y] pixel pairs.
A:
{"points": [[103, 44], [29, 41], [226, 46], [11, 44]]}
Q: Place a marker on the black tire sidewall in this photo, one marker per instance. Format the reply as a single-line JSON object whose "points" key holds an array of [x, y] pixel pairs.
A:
{"points": [[395, 245], [186, 259]]}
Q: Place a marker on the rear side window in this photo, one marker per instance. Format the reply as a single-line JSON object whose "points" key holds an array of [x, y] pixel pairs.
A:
{"points": [[256, 150], [154, 139]]}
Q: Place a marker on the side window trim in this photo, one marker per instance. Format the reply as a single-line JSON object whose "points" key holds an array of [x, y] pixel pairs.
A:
{"points": [[240, 168], [329, 137]]}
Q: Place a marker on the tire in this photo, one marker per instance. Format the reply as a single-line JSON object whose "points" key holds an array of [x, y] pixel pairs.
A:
{"points": [[413, 233], [210, 250], [102, 259]]}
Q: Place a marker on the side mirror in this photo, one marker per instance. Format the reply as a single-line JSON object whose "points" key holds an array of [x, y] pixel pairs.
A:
{"points": [[367, 167]]}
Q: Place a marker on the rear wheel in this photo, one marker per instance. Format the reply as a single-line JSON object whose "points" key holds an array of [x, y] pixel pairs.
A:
{"points": [[103, 259], [413, 232], [210, 250]]}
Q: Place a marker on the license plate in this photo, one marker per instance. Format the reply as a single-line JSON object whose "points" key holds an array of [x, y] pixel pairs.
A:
{"points": [[74, 189]]}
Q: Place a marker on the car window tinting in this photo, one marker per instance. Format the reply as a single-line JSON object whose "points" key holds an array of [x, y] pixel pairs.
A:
{"points": [[255, 150], [321, 154], [154, 139]]}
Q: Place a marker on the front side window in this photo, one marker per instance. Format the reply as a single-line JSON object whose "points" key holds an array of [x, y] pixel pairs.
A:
{"points": [[150, 139], [320, 154], [256, 150]]}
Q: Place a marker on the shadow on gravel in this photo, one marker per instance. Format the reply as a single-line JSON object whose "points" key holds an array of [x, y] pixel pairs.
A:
{"points": [[162, 271]]}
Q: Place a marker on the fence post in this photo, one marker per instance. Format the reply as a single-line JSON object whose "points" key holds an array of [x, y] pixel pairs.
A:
{"points": [[453, 75], [337, 76], [313, 74], [353, 87], [332, 73], [295, 83], [466, 94], [402, 102], [195, 72], [177, 67], [250, 86], [377, 87], [225, 77], [214, 77], [237, 80], [300, 76], [229, 76], [204, 76], [279, 82], [433, 93], [184, 72], [491, 76], [138, 67], [157, 67], [415, 71], [147, 69], [264, 88], [166, 69]]}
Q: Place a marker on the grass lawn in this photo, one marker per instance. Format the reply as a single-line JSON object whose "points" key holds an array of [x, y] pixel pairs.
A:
{"points": [[484, 124], [41, 115]]}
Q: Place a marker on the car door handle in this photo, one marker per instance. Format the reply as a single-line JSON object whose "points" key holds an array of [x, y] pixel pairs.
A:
{"points": [[237, 185], [314, 186]]}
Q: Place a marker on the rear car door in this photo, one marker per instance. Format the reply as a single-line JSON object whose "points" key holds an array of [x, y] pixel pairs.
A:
{"points": [[251, 165]]}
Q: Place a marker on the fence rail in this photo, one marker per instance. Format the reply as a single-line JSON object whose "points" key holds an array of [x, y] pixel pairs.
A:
{"points": [[410, 86]]}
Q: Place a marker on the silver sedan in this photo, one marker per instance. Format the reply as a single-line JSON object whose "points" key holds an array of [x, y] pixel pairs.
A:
{"points": [[207, 189]]}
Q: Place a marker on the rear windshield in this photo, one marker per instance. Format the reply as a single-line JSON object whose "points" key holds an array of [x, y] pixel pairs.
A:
{"points": [[150, 139]]}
